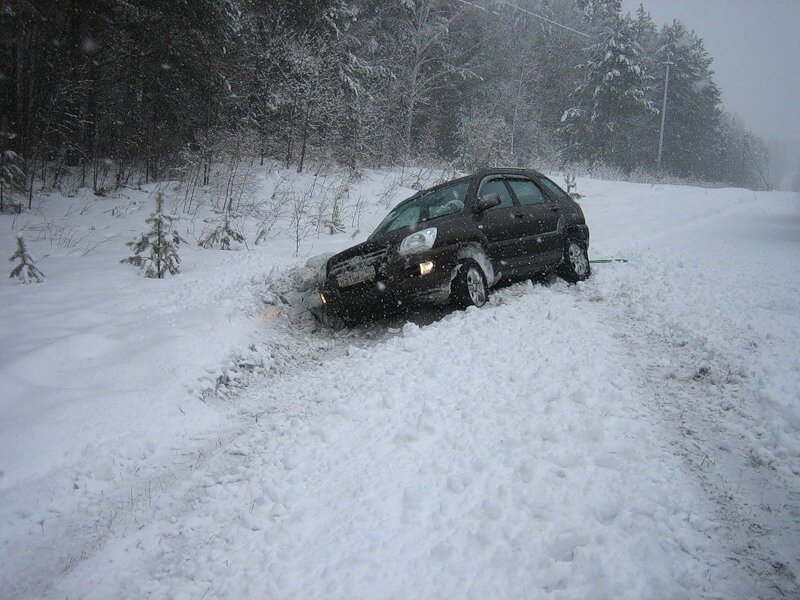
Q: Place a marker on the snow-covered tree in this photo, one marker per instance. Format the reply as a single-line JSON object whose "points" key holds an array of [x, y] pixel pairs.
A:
{"points": [[608, 101], [25, 268], [222, 235], [429, 57], [485, 140], [156, 252], [114, 91], [600, 12], [645, 129], [11, 175], [234, 183]]}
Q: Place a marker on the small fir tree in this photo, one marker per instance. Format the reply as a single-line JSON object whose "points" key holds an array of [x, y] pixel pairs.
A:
{"points": [[25, 270], [156, 252], [223, 233]]}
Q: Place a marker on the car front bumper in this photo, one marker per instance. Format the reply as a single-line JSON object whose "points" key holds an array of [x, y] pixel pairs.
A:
{"points": [[397, 282]]}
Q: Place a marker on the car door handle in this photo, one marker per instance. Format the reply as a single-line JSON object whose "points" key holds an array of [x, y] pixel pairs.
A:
{"points": [[520, 215], [555, 208]]}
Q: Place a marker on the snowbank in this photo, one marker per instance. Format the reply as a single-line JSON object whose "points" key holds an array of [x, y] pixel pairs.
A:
{"points": [[99, 356]]}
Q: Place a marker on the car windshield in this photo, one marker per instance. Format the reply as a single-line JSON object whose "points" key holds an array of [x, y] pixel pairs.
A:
{"points": [[428, 205]]}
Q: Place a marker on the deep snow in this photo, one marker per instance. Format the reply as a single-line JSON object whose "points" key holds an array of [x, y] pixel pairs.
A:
{"points": [[632, 436]]}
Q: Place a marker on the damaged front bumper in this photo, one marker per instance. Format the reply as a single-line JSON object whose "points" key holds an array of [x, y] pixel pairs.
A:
{"points": [[381, 282]]}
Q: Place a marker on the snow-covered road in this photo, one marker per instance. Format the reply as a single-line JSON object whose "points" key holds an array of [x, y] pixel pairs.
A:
{"points": [[635, 436]]}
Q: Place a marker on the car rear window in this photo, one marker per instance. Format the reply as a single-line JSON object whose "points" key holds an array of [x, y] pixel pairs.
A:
{"points": [[552, 187], [526, 191]]}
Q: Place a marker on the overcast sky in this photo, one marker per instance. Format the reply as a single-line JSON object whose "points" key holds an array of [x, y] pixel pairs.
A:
{"points": [[756, 50]]}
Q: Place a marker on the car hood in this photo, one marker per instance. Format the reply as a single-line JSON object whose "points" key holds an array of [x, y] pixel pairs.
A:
{"points": [[371, 246], [367, 247]]}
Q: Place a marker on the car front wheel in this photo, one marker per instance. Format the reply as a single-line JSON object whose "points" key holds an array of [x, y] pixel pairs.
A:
{"points": [[469, 286], [575, 266]]}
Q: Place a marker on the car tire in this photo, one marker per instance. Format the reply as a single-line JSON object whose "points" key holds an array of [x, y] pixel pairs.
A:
{"points": [[335, 322], [575, 266], [469, 286]]}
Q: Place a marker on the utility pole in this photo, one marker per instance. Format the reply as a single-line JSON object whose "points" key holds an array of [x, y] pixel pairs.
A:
{"points": [[663, 119]]}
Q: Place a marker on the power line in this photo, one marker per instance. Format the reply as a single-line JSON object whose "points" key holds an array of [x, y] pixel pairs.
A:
{"points": [[538, 16], [484, 9], [526, 11]]}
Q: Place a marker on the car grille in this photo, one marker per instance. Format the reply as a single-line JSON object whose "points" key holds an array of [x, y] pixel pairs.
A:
{"points": [[371, 258]]}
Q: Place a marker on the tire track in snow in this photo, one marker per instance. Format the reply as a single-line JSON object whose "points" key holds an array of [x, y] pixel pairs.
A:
{"points": [[702, 395]]}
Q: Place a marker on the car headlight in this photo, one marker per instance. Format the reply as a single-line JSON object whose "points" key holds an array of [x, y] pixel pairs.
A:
{"points": [[419, 241]]}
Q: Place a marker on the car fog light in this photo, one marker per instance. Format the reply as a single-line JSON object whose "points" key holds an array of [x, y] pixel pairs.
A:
{"points": [[322, 298], [426, 267]]}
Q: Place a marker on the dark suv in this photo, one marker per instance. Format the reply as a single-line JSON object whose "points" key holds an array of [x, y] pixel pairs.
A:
{"points": [[456, 240]]}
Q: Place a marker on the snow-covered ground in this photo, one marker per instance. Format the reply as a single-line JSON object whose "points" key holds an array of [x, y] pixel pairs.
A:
{"points": [[637, 435]]}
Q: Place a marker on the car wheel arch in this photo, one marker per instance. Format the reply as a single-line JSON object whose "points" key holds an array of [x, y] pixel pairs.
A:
{"points": [[575, 231], [475, 251]]}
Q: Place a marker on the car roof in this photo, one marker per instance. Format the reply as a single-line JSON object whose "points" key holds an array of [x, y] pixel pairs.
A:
{"points": [[505, 171], [479, 174]]}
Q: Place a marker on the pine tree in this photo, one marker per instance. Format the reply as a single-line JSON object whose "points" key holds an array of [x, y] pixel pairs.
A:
{"points": [[644, 135], [600, 12], [156, 251], [608, 101], [25, 270], [646, 34]]}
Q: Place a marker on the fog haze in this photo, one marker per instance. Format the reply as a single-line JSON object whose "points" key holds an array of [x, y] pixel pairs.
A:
{"points": [[756, 50]]}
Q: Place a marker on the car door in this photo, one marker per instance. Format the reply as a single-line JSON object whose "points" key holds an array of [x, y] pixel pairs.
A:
{"points": [[540, 243], [501, 226]]}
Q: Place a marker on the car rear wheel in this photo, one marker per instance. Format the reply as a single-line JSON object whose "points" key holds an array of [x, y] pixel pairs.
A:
{"points": [[469, 286], [575, 266]]}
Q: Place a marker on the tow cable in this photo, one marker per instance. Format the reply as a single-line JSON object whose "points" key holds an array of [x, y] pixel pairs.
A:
{"points": [[608, 260]]}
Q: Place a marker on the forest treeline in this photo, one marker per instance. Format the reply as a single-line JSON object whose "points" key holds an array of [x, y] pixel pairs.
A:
{"points": [[114, 89]]}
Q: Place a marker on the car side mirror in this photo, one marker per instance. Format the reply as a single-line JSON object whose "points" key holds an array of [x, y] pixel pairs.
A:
{"points": [[487, 202]]}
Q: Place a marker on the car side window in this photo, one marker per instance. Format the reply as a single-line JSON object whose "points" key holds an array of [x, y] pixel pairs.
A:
{"points": [[497, 186], [527, 192], [554, 189]]}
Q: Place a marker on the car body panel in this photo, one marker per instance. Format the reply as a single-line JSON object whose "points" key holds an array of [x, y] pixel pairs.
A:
{"points": [[541, 243]]}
